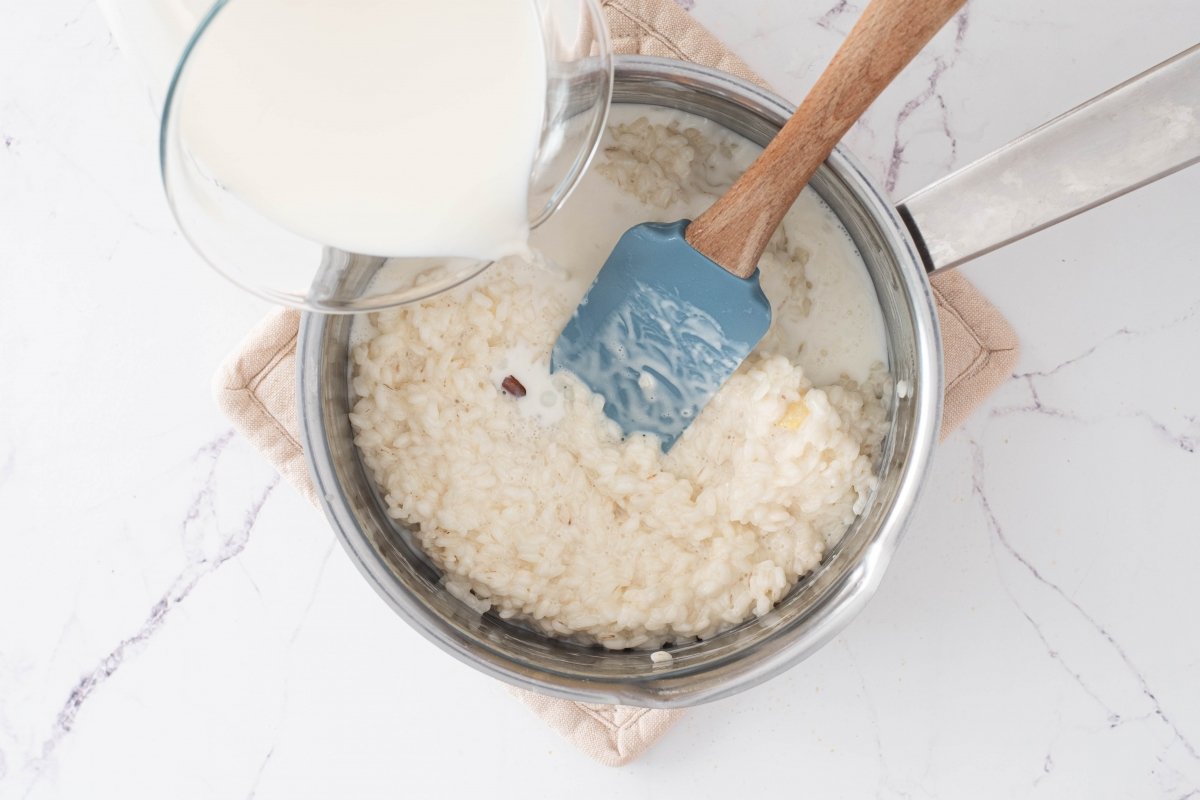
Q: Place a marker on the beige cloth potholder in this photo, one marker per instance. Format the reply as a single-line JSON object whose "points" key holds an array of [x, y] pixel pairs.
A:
{"points": [[256, 386]]}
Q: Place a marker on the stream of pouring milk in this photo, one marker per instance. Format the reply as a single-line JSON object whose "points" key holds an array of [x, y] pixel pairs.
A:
{"points": [[386, 127]]}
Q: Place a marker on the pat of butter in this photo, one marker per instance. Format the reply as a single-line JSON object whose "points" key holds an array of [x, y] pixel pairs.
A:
{"points": [[794, 416]]}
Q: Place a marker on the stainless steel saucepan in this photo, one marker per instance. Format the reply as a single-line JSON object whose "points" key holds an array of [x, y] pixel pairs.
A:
{"points": [[1134, 134]]}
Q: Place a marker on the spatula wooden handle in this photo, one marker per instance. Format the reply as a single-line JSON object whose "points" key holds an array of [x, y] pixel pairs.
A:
{"points": [[735, 230]]}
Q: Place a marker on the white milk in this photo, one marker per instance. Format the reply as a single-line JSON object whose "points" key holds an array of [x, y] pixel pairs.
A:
{"points": [[386, 127], [838, 331], [543, 401]]}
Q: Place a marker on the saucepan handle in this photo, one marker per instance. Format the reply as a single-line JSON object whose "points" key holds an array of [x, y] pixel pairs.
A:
{"points": [[1132, 135]]}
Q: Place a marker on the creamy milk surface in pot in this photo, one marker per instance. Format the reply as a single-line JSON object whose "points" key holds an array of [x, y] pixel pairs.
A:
{"points": [[823, 303], [386, 127]]}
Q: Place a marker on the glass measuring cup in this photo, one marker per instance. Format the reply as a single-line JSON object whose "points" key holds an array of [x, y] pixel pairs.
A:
{"points": [[281, 265]]}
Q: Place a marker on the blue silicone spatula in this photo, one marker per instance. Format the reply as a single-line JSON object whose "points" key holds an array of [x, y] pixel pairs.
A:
{"points": [[677, 307]]}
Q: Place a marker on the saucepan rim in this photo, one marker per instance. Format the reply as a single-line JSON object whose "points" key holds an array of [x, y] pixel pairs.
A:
{"points": [[843, 600]]}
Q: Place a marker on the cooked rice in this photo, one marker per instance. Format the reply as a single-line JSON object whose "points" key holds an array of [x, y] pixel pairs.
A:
{"points": [[565, 525]]}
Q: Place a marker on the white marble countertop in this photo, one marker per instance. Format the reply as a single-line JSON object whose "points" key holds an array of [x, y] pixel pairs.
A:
{"points": [[177, 623]]}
